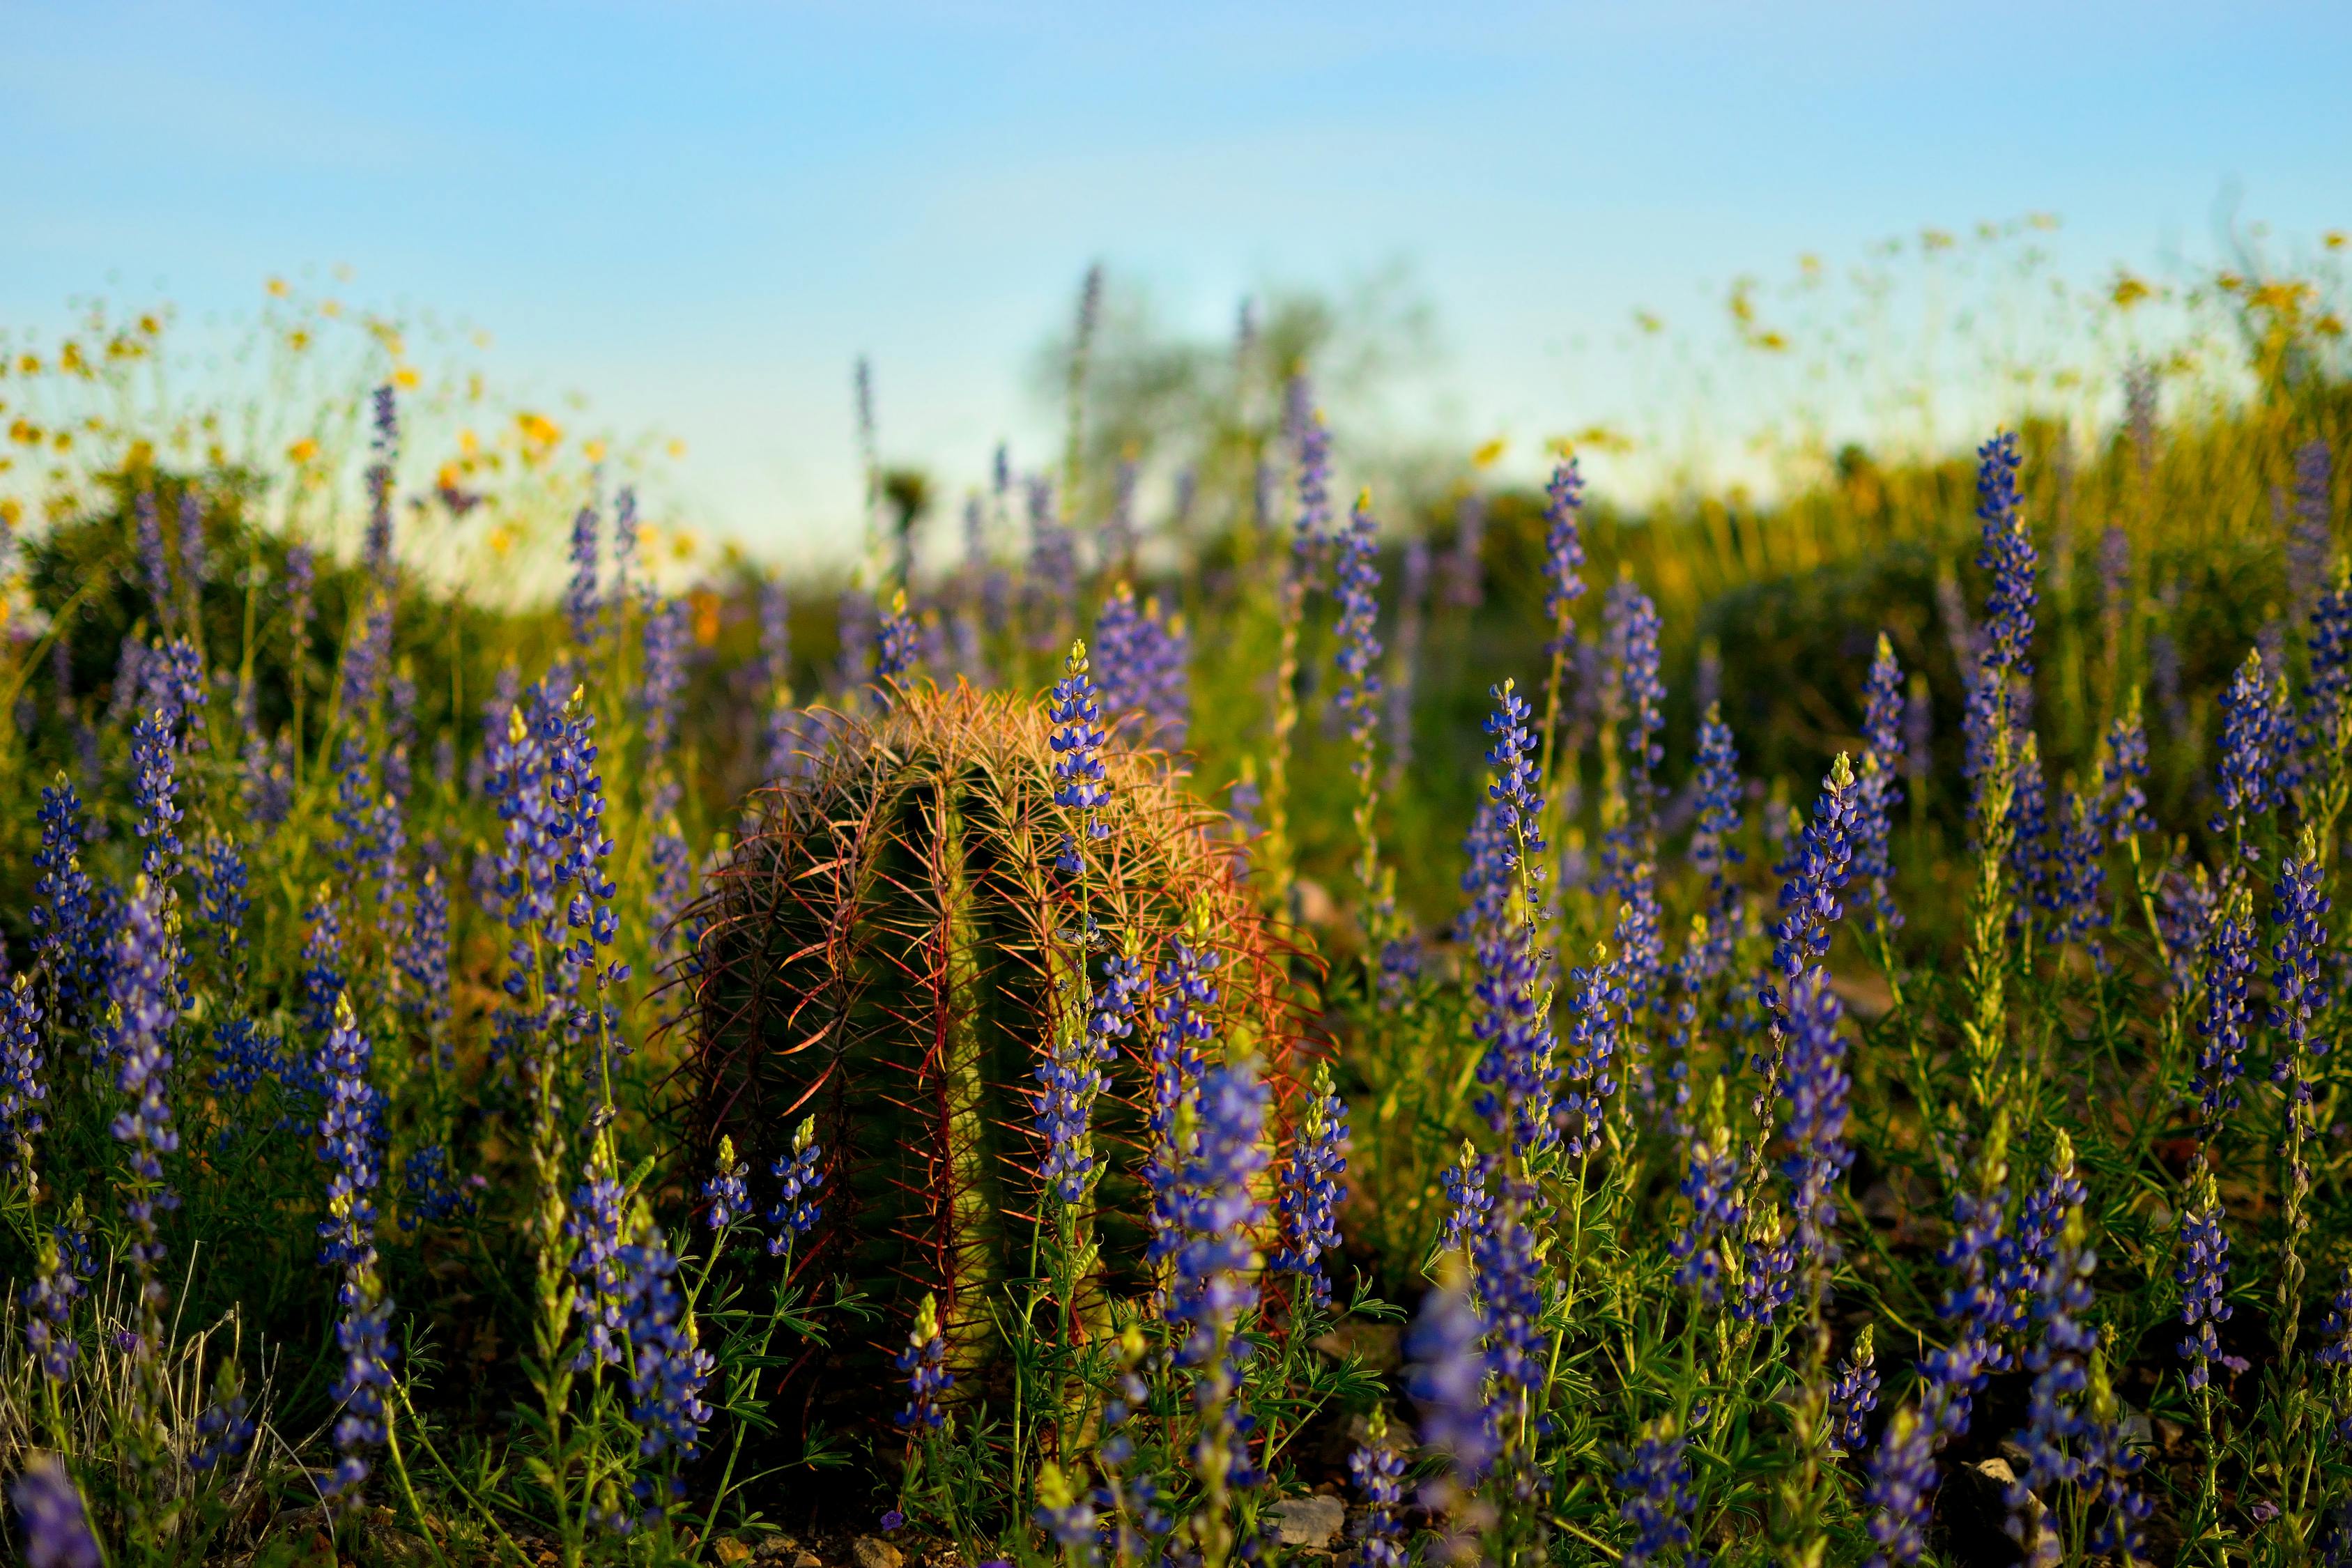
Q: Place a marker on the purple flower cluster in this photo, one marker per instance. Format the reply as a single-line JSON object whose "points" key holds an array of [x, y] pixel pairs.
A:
{"points": [[584, 604], [22, 1092], [1878, 789], [1070, 1078], [1377, 1470], [1310, 1188], [1358, 577], [1078, 741], [2229, 964], [2250, 747], [1853, 1395], [1143, 659], [1563, 552], [1815, 877], [1655, 1479], [2204, 1279], [798, 1178]]}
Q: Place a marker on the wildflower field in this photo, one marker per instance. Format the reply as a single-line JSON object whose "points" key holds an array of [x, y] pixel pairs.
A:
{"points": [[1489, 1027]]}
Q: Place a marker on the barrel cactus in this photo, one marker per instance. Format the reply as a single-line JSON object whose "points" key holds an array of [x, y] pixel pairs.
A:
{"points": [[911, 944]]}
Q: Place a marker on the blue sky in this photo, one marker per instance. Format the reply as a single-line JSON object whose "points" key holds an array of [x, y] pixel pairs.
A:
{"points": [[697, 213]]}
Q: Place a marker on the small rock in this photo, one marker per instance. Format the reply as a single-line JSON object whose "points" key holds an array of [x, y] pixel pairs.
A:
{"points": [[774, 1549], [806, 1559], [1309, 1521], [873, 1551], [729, 1550]]}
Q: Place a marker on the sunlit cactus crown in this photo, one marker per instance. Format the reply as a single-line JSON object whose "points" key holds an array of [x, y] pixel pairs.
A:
{"points": [[891, 949]]}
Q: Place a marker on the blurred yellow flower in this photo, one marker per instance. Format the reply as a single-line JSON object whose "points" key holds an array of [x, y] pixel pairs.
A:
{"points": [[1490, 453], [28, 364], [2129, 291], [1771, 342], [468, 443], [276, 287], [502, 540], [1937, 239], [683, 544], [298, 340], [2336, 240], [331, 308], [677, 448], [595, 450], [1649, 321], [12, 510], [303, 451], [406, 378], [538, 430], [2330, 325], [150, 325], [2046, 222], [705, 616]]}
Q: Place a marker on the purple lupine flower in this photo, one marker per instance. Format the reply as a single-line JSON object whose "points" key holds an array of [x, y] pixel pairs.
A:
{"points": [[798, 1177], [624, 538], [1592, 1042], [583, 603], [145, 988], [2249, 747], [2204, 1279], [1310, 1188], [1997, 678], [1853, 1395], [2074, 877], [2022, 1258], [1815, 1086], [1377, 1469], [352, 1137], [52, 1524], [2311, 547], [1714, 849], [155, 742], [1070, 1079], [322, 961], [2229, 962], [1878, 788], [925, 1365], [1467, 1202], [61, 1277], [2007, 555], [1563, 552], [2060, 1364], [594, 1221], [2105, 1462], [1815, 876], [897, 644], [1215, 1212], [2331, 670], [729, 1193], [1718, 1208], [433, 1195], [1078, 741], [224, 1431], [2300, 993], [383, 448], [1412, 601], [157, 570], [1187, 999], [1446, 1379], [67, 941], [1510, 1281], [420, 958], [665, 673], [2123, 775], [1358, 578], [367, 657], [668, 1369], [1313, 524], [22, 1092], [1656, 1478]]}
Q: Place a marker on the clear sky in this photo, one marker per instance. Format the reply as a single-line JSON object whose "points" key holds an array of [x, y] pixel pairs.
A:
{"points": [[697, 213]]}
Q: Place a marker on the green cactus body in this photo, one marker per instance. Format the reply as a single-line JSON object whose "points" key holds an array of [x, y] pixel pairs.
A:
{"points": [[890, 949]]}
